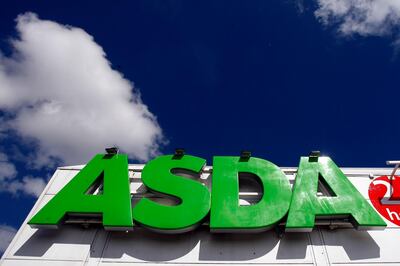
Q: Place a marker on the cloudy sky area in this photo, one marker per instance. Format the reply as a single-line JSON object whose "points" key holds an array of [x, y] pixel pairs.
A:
{"points": [[362, 17], [60, 96], [208, 78], [60, 92]]}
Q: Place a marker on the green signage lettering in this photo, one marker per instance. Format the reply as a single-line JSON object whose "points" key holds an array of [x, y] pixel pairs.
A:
{"points": [[114, 204], [306, 205], [194, 197], [227, 215], [178, 177]]}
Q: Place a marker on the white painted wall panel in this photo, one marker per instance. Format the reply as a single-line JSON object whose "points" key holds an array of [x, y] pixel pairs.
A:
{"points": [[208, 264], [348, 245], [201, 246], [11, 262], [68, 243], [62, 177]]}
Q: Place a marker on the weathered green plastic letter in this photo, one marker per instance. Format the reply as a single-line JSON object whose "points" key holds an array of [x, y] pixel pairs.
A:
{"points": [[194, 197], [226, 213], [114, 204], [346, 202]]}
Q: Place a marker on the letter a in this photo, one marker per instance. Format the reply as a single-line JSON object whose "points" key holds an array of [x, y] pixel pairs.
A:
{"points": [[114, 204], [306, 205]]}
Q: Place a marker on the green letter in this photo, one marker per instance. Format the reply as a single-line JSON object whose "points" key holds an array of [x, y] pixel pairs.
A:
{"points": [[114, 204], [228, 215], [157, 175], [346, 202]]}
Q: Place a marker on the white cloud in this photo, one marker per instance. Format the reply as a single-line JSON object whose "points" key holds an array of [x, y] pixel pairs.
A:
{"points": [[63, 94], [7, 169], [29, 185], [363, 17], [7, 233], [3, 129]]}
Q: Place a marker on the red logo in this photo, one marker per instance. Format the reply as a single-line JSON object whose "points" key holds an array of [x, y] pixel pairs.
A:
{"points": [[384, 194]]}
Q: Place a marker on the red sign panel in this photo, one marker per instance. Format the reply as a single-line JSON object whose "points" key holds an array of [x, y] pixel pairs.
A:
{"points": [[384, 193]]}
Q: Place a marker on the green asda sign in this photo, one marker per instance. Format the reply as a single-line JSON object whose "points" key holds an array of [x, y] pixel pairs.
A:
{"points": [[299, 207]]}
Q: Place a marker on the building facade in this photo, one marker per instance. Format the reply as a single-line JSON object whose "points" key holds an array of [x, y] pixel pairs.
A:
{"points": [[77, 243]]}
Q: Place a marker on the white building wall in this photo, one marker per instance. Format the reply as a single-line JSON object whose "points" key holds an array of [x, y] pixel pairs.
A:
{"points": [[74, 245]]}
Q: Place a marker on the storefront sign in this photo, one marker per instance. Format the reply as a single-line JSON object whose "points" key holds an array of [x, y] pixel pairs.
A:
{"points": [[384, 193], [298, 207]]}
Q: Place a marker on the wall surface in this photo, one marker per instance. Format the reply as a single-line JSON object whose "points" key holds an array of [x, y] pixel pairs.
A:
{"points": [[75, 245]]}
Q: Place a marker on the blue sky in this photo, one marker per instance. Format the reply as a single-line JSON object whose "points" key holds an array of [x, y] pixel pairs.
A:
{"points": [[278, 78]]}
